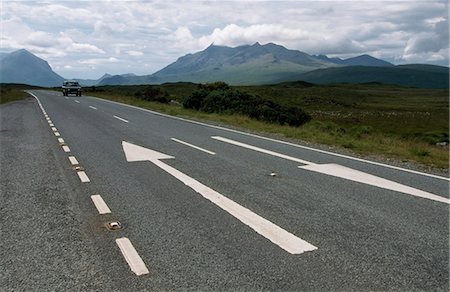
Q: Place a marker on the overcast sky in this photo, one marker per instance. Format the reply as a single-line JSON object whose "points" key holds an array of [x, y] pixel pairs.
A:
{"points": [[89, 38]]}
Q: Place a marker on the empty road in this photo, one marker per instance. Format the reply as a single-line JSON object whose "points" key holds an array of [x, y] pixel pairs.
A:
{"points": [[201, 207]]}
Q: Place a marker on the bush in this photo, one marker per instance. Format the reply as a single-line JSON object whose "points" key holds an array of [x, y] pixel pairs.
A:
{"points": [[218, 97], [153, 94]]}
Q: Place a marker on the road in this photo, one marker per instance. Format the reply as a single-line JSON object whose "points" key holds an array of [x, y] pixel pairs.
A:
{"points": [[203, 208]]}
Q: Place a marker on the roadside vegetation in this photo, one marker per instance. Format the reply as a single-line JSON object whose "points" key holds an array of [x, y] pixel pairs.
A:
{"points": [[406, 124], [12, 92]]}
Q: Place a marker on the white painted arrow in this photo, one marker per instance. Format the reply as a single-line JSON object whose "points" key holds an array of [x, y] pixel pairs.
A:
{"points": [[269, 230], [343, 172]]}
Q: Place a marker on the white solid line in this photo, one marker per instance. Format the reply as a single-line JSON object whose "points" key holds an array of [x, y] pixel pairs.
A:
{"points": [[100, 204], [76, 101], [54, 129], [57, 134], [262, 150], [83, 176], [73, 160], [130, 254], [284, 239], [93, 107], [66, 148], [193, 146], [362, 177], [274, 140], [60, 140], [119, 118]]}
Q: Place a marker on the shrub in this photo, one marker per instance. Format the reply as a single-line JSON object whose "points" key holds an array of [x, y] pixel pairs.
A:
{"points": [[153, 94]]}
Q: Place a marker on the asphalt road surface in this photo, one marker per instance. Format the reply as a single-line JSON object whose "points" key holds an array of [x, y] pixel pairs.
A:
{"points": [[203, 208]]}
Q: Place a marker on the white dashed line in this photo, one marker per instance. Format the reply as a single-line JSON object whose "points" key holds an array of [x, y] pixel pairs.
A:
{"points": [[57, 134], [130, 254], [60, 140], [73, 160], [66, 148], [66, 97], [93, 107], [193, 146], [121, 119], [100, 204], [54, 129], [76, 101], [83, 177]]}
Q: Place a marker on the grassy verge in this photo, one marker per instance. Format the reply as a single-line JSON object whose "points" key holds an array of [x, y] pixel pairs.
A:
{"points": [[12, 92], [389, 122]]}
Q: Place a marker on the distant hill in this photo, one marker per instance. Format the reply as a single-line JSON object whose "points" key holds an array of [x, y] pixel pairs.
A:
{"points": [[243, 65], [23, 67], [423, 76]]}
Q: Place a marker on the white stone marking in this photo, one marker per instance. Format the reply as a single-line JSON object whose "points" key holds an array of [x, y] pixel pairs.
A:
{"points": [[193, 146], [272, 232], [100, 204], [226, 140], [130, 254], [83, 176], [362, 177], [121, 119], [73, 160]]}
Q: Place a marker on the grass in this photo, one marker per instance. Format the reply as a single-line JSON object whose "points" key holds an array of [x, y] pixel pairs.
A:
{"points": [[13, 92], [371, 119]]}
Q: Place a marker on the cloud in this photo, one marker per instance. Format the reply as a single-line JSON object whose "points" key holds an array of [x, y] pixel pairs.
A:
{"points": [[148, 35]]}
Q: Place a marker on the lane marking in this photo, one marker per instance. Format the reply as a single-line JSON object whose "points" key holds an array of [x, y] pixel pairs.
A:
{"points": [[273, 153], [100, 204], [362, 177], [284, 239], [83, 176], [121, 119], [73, 160], [66, 97], [273, 140], [60, 140], [130, 254], [54, 129], [57, 134], [50, 124], [66, 148], [193, 146], [76, 101], [93, 107]]}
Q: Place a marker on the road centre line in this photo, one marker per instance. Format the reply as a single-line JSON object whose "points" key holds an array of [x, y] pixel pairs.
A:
{"points": [[57, 134], [73, 160], [83, 176], [66, 148], [273, 153], [60, 140], [77, 101], [93, 107], [130, 254], [54, 129], [275, 140], [100, 204], [51, 125], [193, 146], [121, 119]]}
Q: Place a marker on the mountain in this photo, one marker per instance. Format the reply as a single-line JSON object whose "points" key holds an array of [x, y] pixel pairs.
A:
{"points": [[92, 82], [23, 67], [363, 60], [422, 76], [248, 64]]}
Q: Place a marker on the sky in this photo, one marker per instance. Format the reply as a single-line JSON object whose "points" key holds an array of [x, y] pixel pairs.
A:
{"points": [[86, 39]]}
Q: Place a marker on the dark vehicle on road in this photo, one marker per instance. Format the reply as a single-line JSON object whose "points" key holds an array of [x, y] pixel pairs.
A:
{"points": [[70, 86]]}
